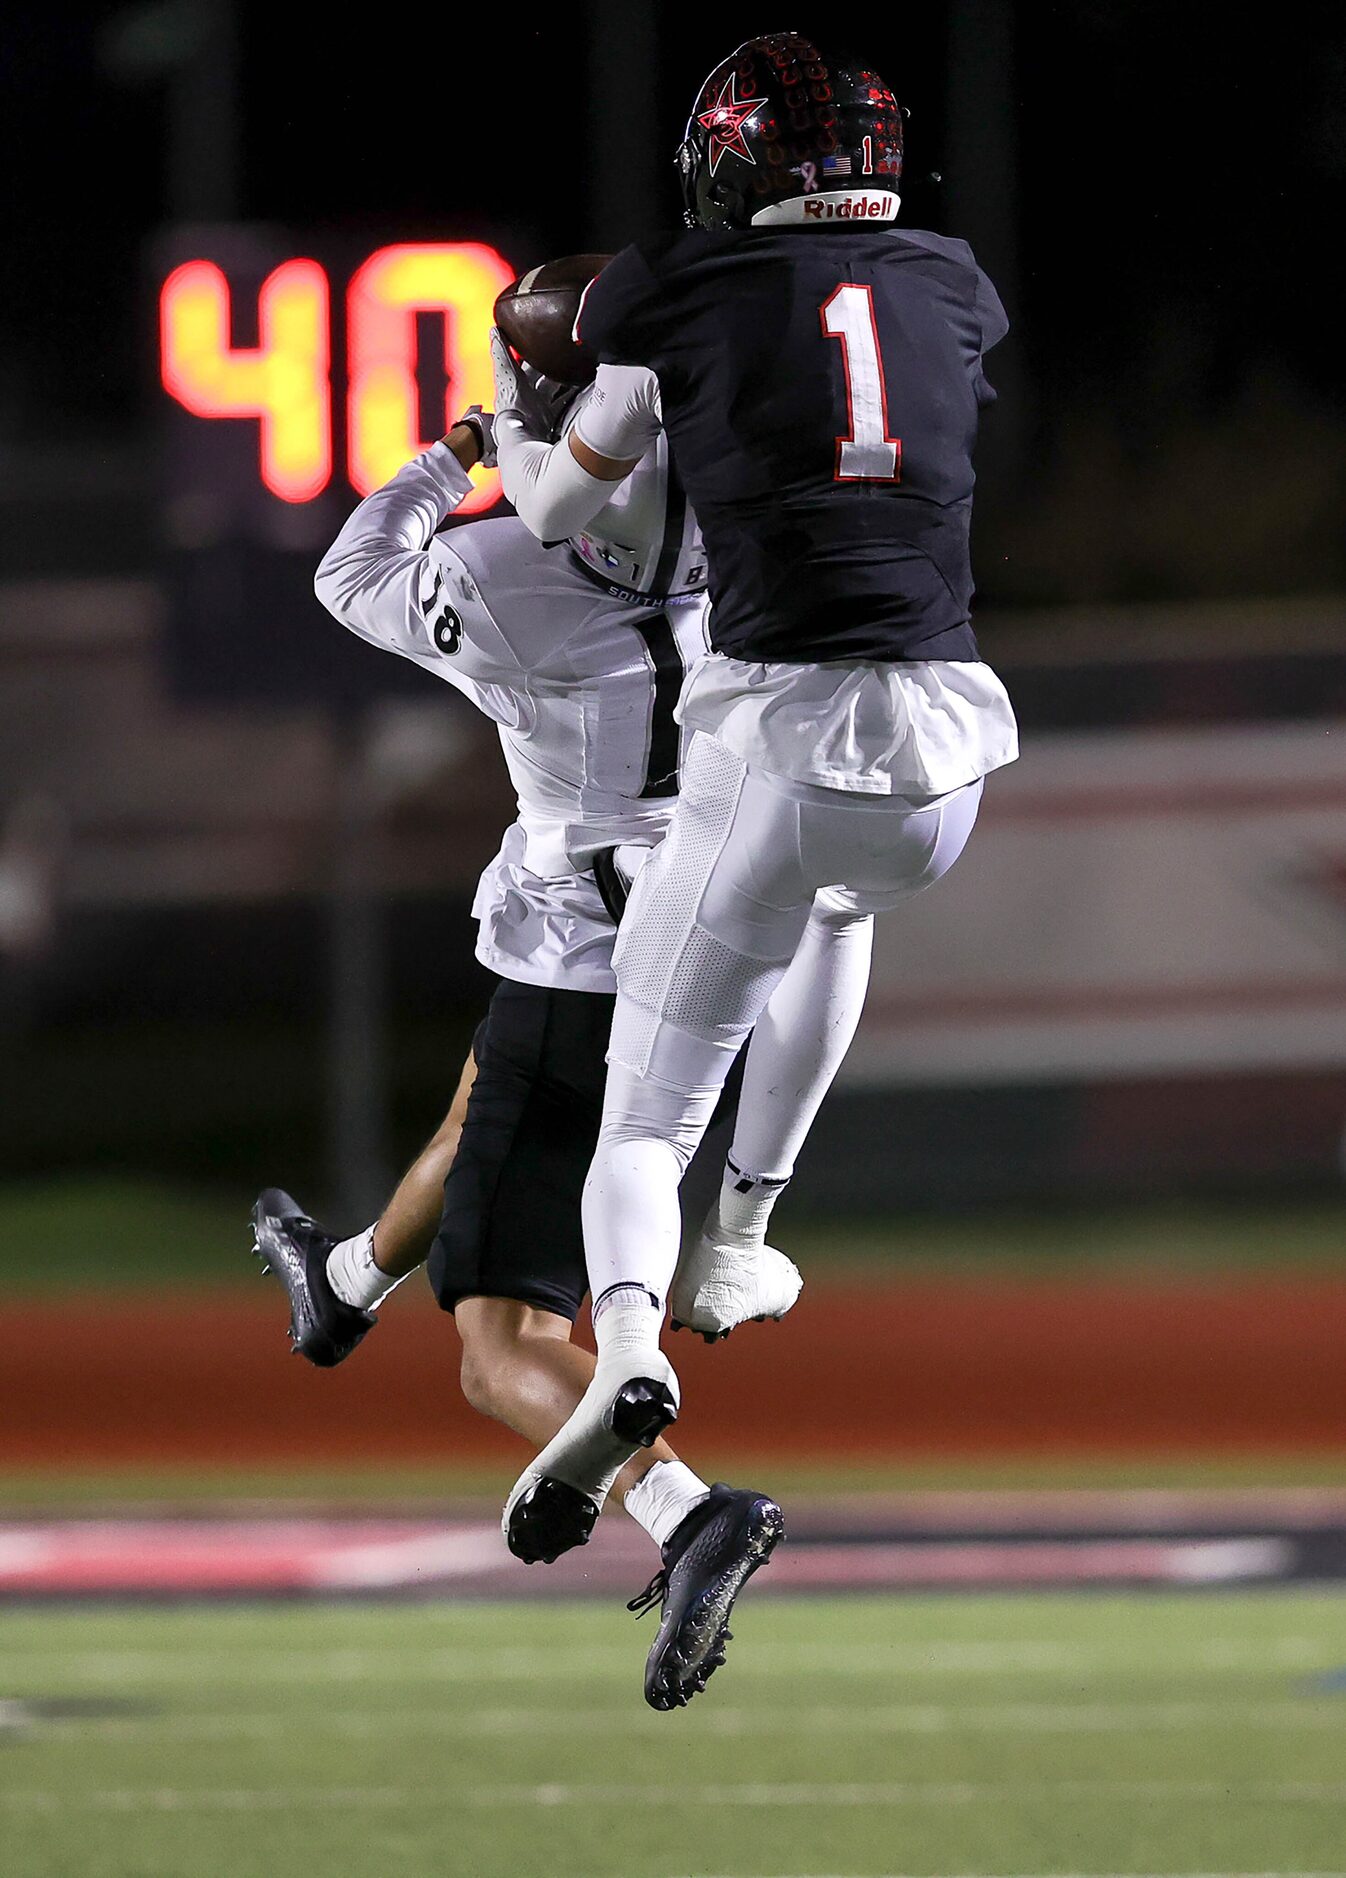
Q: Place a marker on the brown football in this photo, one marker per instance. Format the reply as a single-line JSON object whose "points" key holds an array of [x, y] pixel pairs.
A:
{"points": [[536, 313]]}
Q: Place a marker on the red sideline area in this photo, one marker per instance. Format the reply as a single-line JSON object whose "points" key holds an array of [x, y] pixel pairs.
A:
{"points": [[961, 1366], [331, 1556]]}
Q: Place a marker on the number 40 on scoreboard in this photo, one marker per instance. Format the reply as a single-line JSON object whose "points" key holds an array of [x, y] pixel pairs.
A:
{"points": [[286, 384]]}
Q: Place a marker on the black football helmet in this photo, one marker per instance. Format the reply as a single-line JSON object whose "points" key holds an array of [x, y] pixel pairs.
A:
{"points": [[777, 124]]}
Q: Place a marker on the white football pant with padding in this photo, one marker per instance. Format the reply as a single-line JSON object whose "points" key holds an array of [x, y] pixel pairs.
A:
{"points": [[715, 921]]}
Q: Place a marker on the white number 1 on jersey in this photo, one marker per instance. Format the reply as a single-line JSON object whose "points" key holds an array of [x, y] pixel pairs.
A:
{"points": [[866, 453]]}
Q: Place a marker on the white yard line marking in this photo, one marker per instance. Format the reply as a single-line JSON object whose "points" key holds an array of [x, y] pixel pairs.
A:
{"points": [[258, 1663], [1326, 1715], [747, 1794], [21, 1550], [453, 1554]]}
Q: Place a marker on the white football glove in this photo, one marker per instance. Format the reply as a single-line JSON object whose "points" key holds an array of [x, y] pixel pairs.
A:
{"points": [[540, 403], [482, 425], [515, 397]]}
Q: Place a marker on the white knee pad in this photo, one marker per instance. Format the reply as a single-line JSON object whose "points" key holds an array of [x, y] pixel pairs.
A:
{"points": [[648, 1044], [639, 1109], [836, 911]]}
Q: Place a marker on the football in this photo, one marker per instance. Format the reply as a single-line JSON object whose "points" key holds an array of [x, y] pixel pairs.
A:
{"points": [[536, 313]]}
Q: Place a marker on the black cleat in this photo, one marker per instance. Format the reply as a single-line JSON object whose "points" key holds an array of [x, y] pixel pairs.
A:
{"points": [[641, 1410], [323, 1327], [707, 1562], [551, 1518]]}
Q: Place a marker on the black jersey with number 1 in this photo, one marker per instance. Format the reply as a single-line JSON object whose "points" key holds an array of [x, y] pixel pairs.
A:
{"points": [[820, 388]]}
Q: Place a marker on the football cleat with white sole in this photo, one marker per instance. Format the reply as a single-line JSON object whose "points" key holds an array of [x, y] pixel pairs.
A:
{"points": [[555, 1502], [706, 1563], [720, 1285]]}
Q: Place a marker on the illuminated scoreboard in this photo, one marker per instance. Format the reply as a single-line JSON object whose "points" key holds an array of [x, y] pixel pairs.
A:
{"points": [[324, 376], [293, 376]]}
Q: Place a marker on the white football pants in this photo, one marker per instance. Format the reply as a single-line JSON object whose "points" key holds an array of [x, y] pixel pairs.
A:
{"points": [[750, 864]]}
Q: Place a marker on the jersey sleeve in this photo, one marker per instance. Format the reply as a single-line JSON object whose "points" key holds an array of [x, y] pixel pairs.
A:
{"points": [[994, 319], [614, 314], [993, 324], [621, 416], [389, 580]]}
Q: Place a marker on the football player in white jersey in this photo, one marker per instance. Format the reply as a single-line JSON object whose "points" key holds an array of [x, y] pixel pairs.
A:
{"points": [[844, 721], [577, 651]]}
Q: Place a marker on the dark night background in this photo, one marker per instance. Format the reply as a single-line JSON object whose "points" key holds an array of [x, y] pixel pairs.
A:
{"points": [[1156, 189], [1155, 186]]}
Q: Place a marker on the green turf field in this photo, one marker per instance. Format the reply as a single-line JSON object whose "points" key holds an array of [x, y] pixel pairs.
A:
{"points": [[1040, 1734]]}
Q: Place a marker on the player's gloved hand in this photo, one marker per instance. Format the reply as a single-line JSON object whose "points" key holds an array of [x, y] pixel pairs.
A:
{"points": [[482, 425], [554, 396], [516, 401]]}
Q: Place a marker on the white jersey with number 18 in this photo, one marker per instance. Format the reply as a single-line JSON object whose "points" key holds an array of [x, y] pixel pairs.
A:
{"points": [[580, 678]]}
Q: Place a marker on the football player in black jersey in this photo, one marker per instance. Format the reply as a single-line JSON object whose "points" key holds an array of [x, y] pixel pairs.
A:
{"points": [[820, 376]]}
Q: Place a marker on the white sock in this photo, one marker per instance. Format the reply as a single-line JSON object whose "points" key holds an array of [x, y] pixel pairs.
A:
{"points": [[662, 1499], [627, 1318], [354, 1276], [745, 1202]]}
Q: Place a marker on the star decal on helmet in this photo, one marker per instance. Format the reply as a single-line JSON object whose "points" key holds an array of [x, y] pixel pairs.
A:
{"points": [[725, 120]]}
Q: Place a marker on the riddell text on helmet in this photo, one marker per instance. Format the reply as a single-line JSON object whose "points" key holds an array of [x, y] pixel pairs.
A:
{"points": [[859, 208]]}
